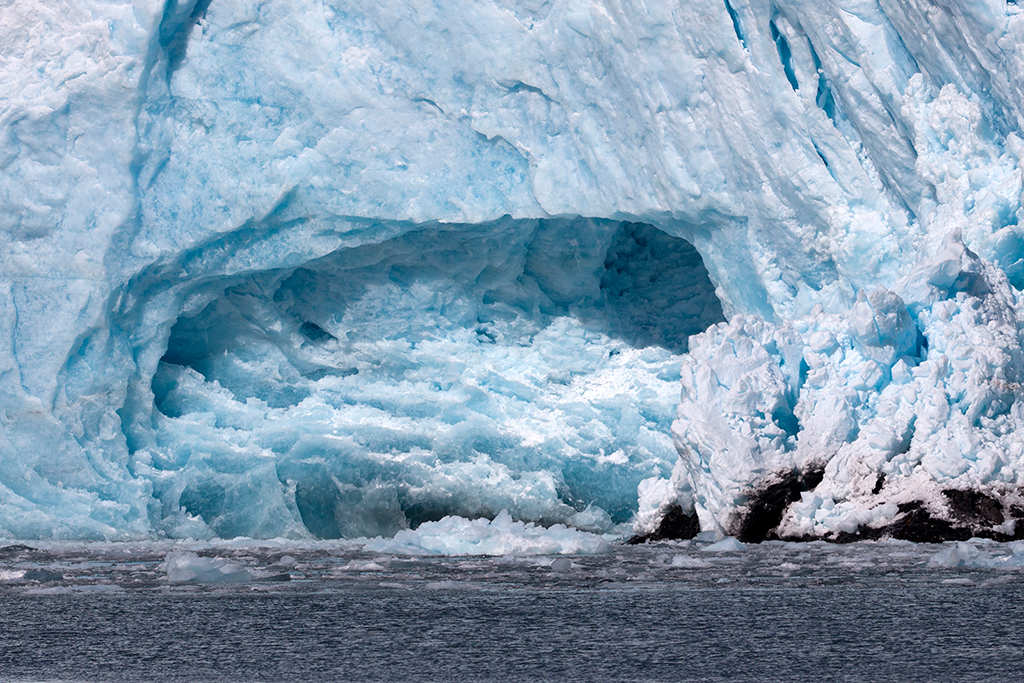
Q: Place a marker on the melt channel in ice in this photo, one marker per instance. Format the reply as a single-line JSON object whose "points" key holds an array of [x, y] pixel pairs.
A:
{"points": [[338, 269]]}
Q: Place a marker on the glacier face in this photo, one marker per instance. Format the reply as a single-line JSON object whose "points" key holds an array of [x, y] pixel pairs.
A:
{"points": [[341, 267]]}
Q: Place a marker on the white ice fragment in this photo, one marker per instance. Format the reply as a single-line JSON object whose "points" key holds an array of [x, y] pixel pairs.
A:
{"points": [[726, 545], [502, 536], [362, 566], [961, 554], [593, 519], [947, 557], [184, 566], [687, 562], [960, 581], [449, 584]]}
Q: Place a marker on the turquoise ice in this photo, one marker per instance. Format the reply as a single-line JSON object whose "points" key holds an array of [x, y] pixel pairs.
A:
{"points": [[324, 268]]}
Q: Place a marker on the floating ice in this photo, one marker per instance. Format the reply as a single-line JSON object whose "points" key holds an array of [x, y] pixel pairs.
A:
{"points": [[362, 566], [498, 537], [979, 556], [687, 562], [959, 555], [561, 565], [182, 566], [726, 545]]}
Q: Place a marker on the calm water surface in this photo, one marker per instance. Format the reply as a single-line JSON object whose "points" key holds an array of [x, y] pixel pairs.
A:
{"points": [[776, 612]]}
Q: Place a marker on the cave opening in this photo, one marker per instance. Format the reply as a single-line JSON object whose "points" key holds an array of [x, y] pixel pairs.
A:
{"points": [[528, 365]]}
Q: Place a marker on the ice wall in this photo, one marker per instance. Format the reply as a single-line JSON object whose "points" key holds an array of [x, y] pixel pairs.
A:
{"points": [[200, 201]]}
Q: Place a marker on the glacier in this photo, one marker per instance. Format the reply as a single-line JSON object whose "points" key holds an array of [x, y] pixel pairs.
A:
{"points": [[337, 268]]}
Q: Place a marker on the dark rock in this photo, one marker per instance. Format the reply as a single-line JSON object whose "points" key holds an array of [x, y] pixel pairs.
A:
{"points": [[974, 514], [810, 479], [879, 483], [917, 524], [767, 506], [676, 525], [974, 507]]}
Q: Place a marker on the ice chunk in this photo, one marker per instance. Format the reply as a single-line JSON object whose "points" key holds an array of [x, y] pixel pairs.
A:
{"points": [[726, 545], [185, 566], [955, 556], [497, 537], [978, 554], [561, 565], [362, 566], [687, 562]]}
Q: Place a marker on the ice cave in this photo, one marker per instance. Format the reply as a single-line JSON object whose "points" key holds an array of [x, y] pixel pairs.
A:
{"points": [[530, 366], [340, 268]]}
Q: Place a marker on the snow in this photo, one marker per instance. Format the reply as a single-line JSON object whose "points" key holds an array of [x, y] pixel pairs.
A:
{"points": [[320, 270]]}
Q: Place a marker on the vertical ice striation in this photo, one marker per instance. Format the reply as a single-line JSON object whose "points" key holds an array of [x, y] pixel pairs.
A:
{"points": [[339, 268]]}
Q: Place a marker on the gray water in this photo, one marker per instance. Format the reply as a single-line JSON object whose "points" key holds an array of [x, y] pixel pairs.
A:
{"points": [[775, 612]]}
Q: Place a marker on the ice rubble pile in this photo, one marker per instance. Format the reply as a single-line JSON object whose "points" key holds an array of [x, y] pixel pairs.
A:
{"points": [[320, 268], [498, 537], [974, 555], [911, 396]]}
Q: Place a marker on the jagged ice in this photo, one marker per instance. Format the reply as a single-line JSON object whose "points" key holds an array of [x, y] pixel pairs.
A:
{"points": [[345, 268]]}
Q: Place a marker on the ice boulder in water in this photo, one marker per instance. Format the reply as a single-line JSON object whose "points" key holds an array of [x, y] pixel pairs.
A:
{"points": [[346, 269], [726, 545], [497, 537], [184, 566], [980, 556]]}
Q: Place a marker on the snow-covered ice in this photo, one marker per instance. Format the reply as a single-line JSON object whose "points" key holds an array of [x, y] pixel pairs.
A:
{"points": [[320, 269]]}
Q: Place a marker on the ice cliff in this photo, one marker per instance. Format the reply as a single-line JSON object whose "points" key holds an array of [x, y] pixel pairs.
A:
{"points": [[341, 268]]}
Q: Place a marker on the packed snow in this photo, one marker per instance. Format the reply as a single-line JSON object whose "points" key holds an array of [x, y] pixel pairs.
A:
{"points": [[320, 269]]}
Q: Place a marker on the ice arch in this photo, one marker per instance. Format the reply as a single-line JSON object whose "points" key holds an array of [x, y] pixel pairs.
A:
{"points": [[453, 369]]}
